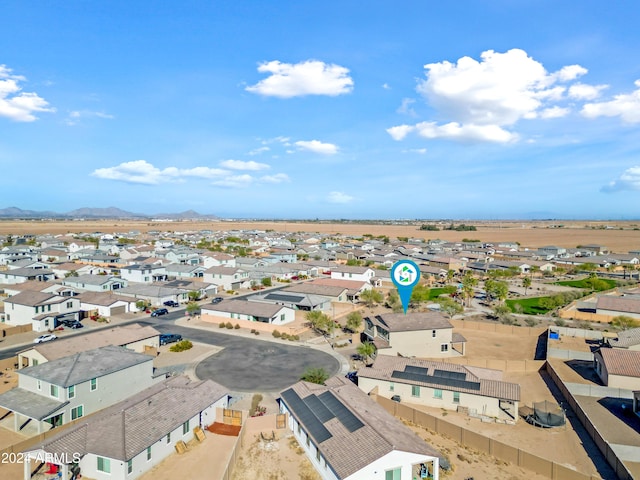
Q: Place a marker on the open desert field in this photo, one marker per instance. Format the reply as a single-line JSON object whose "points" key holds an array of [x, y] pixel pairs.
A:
{"points": [[617, 236]]}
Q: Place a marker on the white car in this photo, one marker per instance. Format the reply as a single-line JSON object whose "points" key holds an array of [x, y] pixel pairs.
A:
{"points": [[45, 338]]}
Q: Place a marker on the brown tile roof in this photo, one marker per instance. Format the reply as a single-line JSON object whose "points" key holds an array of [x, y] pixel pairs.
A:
{"points": [[381, 433], [316, 289], [489, 386], [257, 309], [32, 298], [625, 363], [618, 304], [399, 322]]}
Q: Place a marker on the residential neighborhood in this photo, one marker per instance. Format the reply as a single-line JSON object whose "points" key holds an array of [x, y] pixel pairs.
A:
{"points": [[107, 311]]}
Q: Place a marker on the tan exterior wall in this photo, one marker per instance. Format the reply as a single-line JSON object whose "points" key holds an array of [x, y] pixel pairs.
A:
{"points": [[497, 327], [504, 365], [421, 344], [619, 381], [259, 326], [140, 345], [481, 405]]}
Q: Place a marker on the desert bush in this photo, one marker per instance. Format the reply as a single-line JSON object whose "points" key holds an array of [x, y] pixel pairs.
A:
{"points": [[181, 346], [276, 334]]}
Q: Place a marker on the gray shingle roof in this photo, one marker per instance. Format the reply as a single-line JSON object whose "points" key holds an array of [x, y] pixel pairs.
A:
{"points": [[256, 309], [127, 428], [84, 366], [626, 338]]}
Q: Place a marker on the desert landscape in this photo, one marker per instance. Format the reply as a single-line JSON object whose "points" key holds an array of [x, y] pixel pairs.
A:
{"points": [[618, 236]]}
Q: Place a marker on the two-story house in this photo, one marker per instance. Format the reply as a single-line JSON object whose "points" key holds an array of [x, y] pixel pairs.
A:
{"points": [[229, 278], [62, 390], [422, 335], [143, 273], [95, 283], [40, 309]]}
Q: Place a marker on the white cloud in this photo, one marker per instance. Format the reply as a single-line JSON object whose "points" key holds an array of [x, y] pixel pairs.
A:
{"points": [[421, 151], [629, 180], [312, 77], [76, 115], [405, 107], [386, 86], [259, 150], [143, 172], [242, 165], [482, 99], [582, 91], [277, 178], [400, 132], [235, 181], [317, 146], [339, 197], [554, 112], [626, 106], [468, 132], [15, 104]]}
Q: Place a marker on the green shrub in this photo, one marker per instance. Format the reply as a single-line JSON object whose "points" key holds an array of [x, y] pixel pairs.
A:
{"points": [[181, 346], [236, 326], [276, 334], [222, 325], [229, 325], [256, 332]]}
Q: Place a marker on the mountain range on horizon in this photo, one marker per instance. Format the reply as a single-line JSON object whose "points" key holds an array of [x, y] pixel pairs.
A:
{"points": [[98, 213]]}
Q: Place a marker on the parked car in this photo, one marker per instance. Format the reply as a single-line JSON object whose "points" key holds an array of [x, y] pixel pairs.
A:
{"points": [[353, 376], [74, 325], [396, 398], [45, 338], [217, 300], [169, 338], [159, 311], [171, 303]]}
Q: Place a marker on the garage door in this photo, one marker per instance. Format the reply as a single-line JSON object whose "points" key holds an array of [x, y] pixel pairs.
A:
{"points": [[118, 310]]}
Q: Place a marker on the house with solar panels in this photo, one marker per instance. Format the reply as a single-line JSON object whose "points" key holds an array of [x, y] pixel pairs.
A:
{"points": [[347, 436], [478, 391]]}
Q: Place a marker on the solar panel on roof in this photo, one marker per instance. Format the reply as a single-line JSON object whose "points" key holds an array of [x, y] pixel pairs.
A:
{"points": [[319, 408], [284, 298], [418, 370], [345, 416], [447, 382], [447, 374], [305, 416]]}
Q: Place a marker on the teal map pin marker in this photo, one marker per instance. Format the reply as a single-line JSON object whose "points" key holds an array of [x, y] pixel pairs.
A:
{"points": [[405, 275]]}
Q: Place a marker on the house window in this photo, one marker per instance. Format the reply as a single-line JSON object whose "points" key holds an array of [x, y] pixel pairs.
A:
{"points": [[282, 317], [48, 308], [437, 393], [46, 322], [37, 309], [148, 453], [34, 363], [391, 386], [444, 347], [415, 390], [394, 474], [71, 392], [169, 437], [104, 465], [185, 427], [94, 384], [38, 382], [69, 304], [433, 333], [456, 397], [77, 412], [129, 466], [53, 390]]}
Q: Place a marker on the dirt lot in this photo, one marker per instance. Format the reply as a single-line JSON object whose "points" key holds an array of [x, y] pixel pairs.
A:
{"points": [[529, 234]]}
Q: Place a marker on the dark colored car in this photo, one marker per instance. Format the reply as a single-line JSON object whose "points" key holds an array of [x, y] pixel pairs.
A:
{"points": [[353, 376], [171, 303], [396, 398], [217, 300], [159, 311], [169, 338], [74, 325]]}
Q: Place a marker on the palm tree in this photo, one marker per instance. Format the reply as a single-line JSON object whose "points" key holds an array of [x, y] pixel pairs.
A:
{"points": [[450, 275], [526, 283], [367, 350], [468, 284], [315, 375]]}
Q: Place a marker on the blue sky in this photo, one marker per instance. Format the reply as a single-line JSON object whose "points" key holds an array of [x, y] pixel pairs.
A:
{"points": [[332, 109]]}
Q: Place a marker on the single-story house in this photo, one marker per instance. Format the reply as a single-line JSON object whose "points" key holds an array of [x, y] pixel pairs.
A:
{"points": [[252, 311], [618, 368]]}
